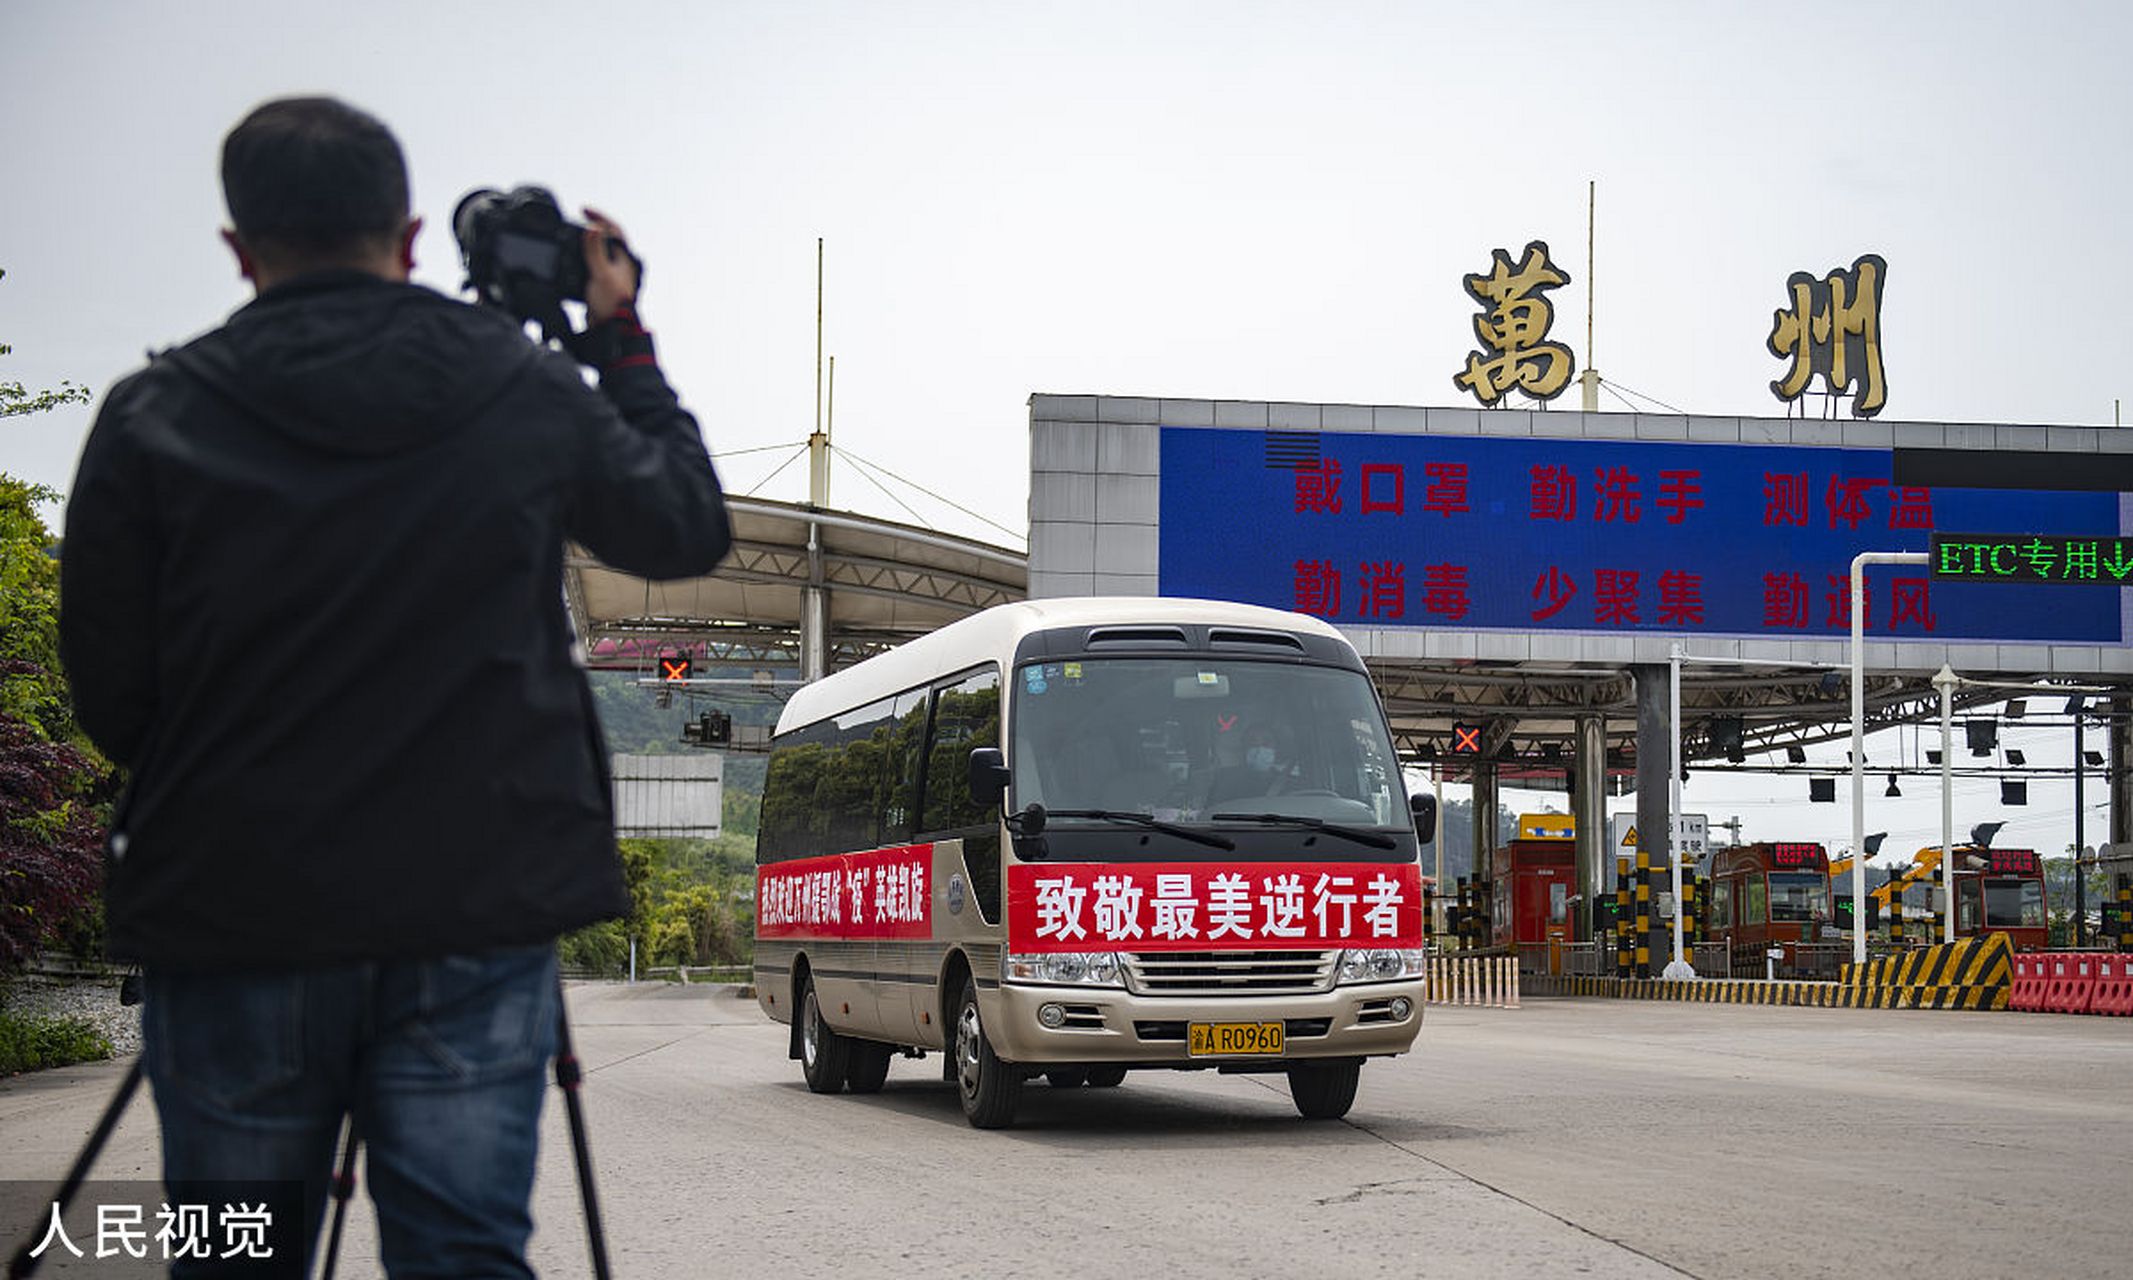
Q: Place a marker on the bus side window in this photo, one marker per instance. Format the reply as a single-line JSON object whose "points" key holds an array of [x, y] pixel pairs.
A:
{"points": [[966, 715], [1722, 904], [787, 826], [907, 746], [849, 793], [823, 791]]}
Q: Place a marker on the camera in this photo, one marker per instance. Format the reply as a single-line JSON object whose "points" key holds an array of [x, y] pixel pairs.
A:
{"points": [[522, 254]]}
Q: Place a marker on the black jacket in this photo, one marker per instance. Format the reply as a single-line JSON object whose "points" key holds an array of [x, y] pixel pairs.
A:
{"points": [[312, 595]]}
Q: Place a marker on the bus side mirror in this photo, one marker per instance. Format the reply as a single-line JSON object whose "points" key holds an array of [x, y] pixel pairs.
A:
{"points": [[988, 776], [1424, 808]]}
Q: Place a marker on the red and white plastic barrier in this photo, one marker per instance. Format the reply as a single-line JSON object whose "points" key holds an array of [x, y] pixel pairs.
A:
{"points": [[2114, 986], [2032, 977], [2070, 981]]}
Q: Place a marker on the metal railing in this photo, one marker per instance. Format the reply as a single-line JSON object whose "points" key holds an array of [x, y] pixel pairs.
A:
{"points": [[716, 974]]}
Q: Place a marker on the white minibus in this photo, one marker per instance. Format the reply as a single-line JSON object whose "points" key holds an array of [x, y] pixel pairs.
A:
{"points": [[1076, 838]]}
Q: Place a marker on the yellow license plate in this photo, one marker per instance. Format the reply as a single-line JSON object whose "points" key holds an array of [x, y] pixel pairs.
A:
{"points": [[1223, 1039]]}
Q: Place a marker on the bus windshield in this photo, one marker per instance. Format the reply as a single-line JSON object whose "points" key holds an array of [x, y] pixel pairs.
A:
{"points": [[1798, 895], [1200, 740]]}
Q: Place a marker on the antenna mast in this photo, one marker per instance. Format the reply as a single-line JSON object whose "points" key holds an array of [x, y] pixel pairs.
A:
{"points": [[818, 476], [1589, 381]]}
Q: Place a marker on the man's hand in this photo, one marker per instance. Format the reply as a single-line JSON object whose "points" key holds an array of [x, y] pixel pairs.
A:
{"points": [[610, 280]]}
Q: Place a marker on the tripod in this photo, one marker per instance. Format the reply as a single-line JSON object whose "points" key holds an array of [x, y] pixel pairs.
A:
{"points": [[569, 1075]]}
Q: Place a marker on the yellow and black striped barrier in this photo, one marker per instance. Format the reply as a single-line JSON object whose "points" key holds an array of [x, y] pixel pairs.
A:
{"points": [[1974, 973]]}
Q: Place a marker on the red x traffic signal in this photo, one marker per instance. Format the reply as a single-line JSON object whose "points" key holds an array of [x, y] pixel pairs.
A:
{"points": [[1466, 739], [676, 668]]}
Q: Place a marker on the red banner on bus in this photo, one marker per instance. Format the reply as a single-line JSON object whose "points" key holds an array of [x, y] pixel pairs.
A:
{"points": [[876, 893], [1198, 906]]}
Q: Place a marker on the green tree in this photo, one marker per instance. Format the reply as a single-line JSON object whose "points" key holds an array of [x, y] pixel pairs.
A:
{"points": [[17, 400]]}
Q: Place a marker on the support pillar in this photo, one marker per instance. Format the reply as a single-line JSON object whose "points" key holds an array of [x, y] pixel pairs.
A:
{"points": [[2121, 764], [1484, 814], [1655, 754], [814, 613], [1588, 808]]}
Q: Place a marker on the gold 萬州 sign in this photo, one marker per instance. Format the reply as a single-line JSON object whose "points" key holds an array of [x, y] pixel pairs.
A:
{"points": [[1833, 328], [1513, 329]]}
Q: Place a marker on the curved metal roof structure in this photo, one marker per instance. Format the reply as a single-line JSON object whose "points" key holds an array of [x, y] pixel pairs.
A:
{"points": [[879, 583]]}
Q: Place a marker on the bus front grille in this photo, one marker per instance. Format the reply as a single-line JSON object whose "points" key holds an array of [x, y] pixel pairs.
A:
{"points": [[1228, 973]]}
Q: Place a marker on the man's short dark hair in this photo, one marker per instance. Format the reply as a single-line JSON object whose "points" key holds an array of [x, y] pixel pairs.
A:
{"points": [[313, 178]]}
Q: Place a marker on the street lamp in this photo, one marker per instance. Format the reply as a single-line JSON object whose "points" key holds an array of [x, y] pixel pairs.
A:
{"points": [[1944, 682], [1859, 564]]}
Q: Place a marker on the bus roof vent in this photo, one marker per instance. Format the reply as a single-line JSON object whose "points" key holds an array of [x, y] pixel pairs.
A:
{"points": [[1136, 637], [1223, 636]]}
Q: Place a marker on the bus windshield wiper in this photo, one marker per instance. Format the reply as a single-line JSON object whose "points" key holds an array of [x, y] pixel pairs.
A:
{"points": [[1374, 839], [1126, 815]]}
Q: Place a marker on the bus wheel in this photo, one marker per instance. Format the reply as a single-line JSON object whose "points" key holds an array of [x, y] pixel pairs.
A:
{"points": [[1067, 1077], [988, 1087], [1324, 1090], [869, 1066], [824, 1055], [1106, 1077]]}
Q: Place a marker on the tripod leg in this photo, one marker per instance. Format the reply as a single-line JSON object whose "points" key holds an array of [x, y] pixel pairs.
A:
{"points": [[568, 1076], [343, 1189], [23, 1264]]}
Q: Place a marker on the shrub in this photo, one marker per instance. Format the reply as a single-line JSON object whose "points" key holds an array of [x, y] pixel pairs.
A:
{"points": [[31, 1043], [602, 948], [51, 839]]}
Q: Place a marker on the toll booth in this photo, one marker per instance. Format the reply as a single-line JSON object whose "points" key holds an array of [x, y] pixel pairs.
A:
{"points": [[1996, 891], [1535, 877], [1773, 894]]}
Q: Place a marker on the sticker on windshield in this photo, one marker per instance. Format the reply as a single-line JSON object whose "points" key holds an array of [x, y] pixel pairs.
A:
{"points": [[1073, 671], [1210, 677], [1033, 679]]}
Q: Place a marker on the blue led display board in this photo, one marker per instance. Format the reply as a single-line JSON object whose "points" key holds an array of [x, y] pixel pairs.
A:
{"points": [[1596, 536]]}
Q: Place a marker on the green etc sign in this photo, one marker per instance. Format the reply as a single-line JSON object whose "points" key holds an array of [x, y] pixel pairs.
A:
{"points": [[2033, 558]]}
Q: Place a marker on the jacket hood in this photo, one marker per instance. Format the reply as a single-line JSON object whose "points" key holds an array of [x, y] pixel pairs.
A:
{"points": [[348, 363]]}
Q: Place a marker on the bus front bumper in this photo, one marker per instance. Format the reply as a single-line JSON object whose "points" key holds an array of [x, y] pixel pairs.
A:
{"points": [[1108, 1025]]}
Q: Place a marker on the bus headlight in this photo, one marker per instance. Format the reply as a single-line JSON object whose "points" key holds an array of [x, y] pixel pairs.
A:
{"points": [[1065, 968], [1381, 966]]}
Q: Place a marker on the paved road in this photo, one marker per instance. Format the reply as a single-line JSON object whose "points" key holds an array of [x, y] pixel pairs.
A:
{"points": [[1565, 1138]]}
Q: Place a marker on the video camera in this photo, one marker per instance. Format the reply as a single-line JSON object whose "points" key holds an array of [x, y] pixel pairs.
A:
{"points": [[523, 256]]}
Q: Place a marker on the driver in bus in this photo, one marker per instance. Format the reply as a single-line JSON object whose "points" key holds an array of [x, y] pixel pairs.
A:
{"points": [[1263, 770]]}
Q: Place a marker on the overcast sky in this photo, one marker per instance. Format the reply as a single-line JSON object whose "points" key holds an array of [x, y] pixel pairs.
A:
{"points": [[1239, 201]]}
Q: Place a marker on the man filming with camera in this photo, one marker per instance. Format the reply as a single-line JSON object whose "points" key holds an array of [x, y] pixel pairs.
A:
{"points": [[313, 601]]}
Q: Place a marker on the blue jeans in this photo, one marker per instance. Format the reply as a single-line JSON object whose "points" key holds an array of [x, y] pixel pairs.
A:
{"points": [[441, 1062]]}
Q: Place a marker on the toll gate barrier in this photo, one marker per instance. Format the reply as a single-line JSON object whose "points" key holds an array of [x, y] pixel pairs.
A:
{"points": [[1974, 973]]}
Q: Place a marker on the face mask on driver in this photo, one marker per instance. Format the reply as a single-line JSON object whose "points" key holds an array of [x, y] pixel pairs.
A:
{"points": [[1259, 759]]}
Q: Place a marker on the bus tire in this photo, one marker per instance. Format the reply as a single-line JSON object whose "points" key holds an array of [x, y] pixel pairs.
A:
{"points": [[988, 1087], [1067, 1077], [1106, 1077], [824, 1055], [1324, 1090], [868, 1066]]}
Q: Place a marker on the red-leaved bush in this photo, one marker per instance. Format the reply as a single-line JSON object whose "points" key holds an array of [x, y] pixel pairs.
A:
{"points": [[51, 840]]}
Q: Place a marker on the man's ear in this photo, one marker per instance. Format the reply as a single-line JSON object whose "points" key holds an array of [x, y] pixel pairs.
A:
{"points": [[407, 244], [245, 266]]}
